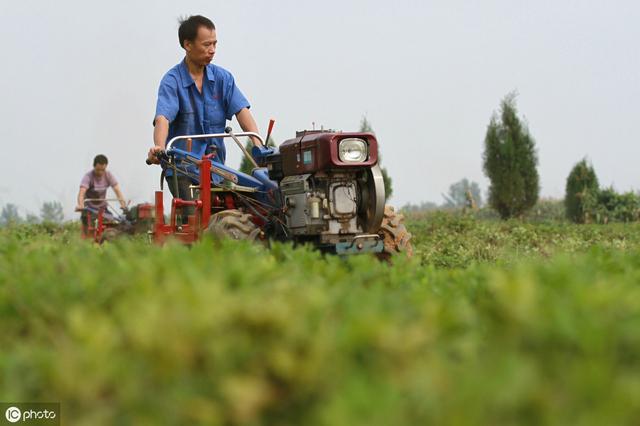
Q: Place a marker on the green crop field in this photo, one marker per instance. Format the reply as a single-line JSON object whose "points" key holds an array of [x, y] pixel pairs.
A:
{"points": [[490, 323]]}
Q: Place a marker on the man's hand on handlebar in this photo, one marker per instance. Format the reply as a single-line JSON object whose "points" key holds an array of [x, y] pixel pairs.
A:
{"points": [[152, 156]]}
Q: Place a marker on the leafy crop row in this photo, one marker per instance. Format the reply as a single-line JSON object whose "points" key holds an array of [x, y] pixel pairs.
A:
{"points": [[229, 333], [457, 240]]}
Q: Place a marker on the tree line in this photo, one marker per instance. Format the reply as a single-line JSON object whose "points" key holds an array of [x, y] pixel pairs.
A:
{"points": [[50, 212], [510, 163]]}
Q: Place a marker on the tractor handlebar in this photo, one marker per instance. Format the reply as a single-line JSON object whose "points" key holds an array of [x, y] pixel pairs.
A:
{"points": [[160, 155], [229, 134]]}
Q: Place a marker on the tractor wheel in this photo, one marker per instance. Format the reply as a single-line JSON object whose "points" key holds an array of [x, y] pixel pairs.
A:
{"points": [[233, 224], [109, 234], [395, 237]]}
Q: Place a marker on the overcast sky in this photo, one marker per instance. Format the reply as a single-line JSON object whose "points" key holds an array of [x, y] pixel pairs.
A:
{"points": [[80, 78]]}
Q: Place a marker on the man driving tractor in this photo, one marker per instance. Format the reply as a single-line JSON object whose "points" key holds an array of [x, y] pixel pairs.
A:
{"points": [[322, 187], [197, 97]]}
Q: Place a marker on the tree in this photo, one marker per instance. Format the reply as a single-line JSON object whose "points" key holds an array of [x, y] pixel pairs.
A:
{"points": [[423, 206], [365, 126], [581, 192], [52, 212], [246, 166], [460, 193], [32, 219], [10, 215], [510, 163]]}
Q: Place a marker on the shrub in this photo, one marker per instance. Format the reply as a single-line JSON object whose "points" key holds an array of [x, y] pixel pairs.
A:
{"points": [[615, 207], [581, 192]]}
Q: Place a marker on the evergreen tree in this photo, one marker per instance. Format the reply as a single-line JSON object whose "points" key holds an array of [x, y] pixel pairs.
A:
{"points": [[10, 215], [52, 212], [510, 163], [365, 126], [581, 192]]}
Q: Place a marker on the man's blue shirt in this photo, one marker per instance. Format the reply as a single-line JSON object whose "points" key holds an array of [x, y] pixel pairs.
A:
{"points": [[190, 112]]}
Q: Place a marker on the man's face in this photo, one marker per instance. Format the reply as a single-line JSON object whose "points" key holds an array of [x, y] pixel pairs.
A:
{"points": [[201, 50], [99, 169]]}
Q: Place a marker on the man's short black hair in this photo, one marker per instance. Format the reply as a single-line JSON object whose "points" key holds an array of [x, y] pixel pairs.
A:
{"points": [[100, 159], [189, 27]]}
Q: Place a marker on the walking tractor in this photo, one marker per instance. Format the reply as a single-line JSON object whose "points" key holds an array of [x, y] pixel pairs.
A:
{"points": [[105, 223], [323, 188]]}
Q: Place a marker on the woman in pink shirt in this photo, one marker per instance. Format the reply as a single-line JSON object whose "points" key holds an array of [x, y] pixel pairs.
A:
{"points": [[94, 185]]}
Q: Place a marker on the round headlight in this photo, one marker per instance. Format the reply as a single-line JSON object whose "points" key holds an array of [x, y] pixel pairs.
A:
{"points": [[353, 150]]}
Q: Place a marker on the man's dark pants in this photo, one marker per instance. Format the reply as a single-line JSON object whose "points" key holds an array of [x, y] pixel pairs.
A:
{"points": [[183, 192]]}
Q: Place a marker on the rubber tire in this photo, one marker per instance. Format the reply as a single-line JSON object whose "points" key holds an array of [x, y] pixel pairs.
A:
{"points": [[233, 224], [395, 237]]}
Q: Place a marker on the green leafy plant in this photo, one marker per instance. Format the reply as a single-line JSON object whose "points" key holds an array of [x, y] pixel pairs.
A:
{"points": [[492, 322]]}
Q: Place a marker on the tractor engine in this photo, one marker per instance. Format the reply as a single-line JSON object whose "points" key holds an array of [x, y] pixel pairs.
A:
{"points": [[331, 186]]}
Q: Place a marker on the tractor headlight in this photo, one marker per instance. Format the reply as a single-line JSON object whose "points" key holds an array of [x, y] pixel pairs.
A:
{"points": [[353, 150]]}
